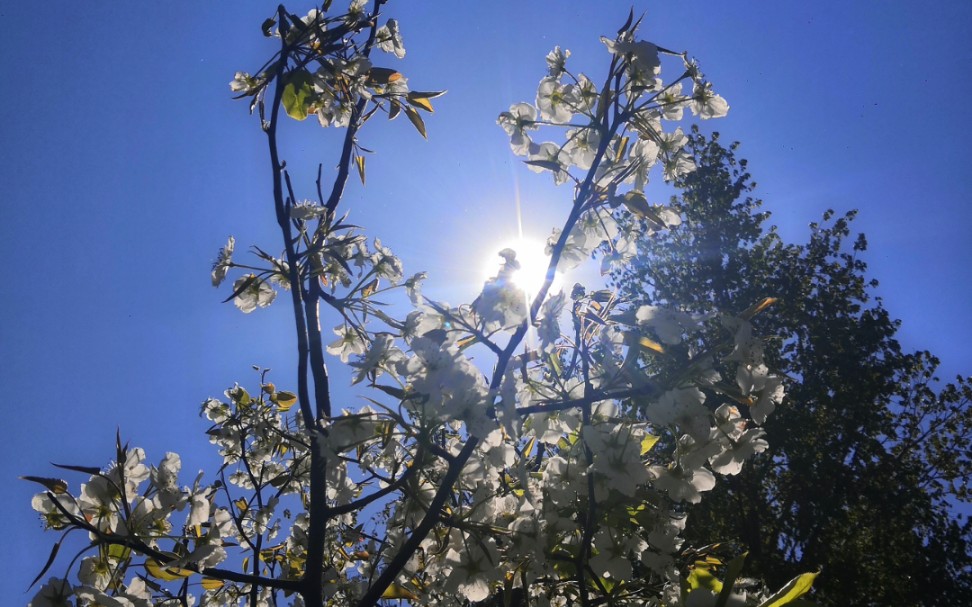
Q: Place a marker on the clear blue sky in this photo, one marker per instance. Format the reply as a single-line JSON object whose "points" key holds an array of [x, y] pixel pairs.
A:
{"points": [[125, 164]]}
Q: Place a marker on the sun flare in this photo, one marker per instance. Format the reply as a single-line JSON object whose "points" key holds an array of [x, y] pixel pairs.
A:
{"points": [[531, 255]]}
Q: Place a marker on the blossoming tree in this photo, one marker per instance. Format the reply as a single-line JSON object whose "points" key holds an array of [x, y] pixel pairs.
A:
{"points": [[556, 473]]}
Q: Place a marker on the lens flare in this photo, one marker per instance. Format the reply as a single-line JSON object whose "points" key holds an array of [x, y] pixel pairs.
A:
{"points": [[531, 255]]}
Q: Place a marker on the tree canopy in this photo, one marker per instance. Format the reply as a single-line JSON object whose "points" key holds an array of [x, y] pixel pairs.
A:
{"points": [[870, 452], [529, 468]]}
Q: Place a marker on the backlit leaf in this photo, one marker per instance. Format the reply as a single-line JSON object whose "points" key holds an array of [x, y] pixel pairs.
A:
{"points": [[359, 161], [648, 442], [649, 344], [793, 590], [416, 120], [701, 578], [285, 400], [297, 94], [397, 591], [382, 75], [168, 574], [212, 583], [732, 572], [54, 485], [419, 102]]}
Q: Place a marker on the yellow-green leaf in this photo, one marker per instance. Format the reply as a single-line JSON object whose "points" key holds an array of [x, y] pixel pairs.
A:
{"points": [[369, 289], [793, 590], [701, 578], [240, 396], [732, 572], [285, 400], [554, 361], [397, 591], [636, 202], [466, 342], [360, 162], [621, 149], [419, 102], [212, 583], [297, 94], [649, 344], [648, 442], [168, 574], [416, 120], [119, 552]]}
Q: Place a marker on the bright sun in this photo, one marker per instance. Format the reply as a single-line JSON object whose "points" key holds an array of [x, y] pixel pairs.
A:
{"points": [[533, 264]]}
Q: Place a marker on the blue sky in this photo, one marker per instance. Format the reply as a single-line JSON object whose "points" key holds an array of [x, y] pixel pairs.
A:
{"points": [[126, 164]]}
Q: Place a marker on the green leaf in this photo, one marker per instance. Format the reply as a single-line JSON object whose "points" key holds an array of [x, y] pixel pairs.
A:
{"points": [[422, 103], [636, 202], [359, 161], [285, 400], [467, 342], [297, 94], [732, 572], [622, 148], [650, 344], [648, 442], [240, 396], [794, 589], [119, 552], [168, 574], [554, 362], [702, 578], [399, 592], [416, 120]]}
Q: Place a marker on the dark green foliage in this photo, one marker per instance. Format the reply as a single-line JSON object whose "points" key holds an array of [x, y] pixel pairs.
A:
{"points": [[869, 452]]}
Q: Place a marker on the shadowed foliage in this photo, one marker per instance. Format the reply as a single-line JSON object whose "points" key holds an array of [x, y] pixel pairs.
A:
{"points": [[869, 452]]}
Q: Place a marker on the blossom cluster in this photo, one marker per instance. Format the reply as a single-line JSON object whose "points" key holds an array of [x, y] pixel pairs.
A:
{"points": [[561, 468]]}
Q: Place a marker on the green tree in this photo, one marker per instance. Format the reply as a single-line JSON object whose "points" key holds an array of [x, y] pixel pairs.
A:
{"points": [[869, 453]]}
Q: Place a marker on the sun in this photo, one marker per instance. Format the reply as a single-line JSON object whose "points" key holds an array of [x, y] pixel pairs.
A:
{"points": [[533, 260]]}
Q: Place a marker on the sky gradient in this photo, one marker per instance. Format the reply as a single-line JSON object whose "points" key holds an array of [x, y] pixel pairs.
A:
{"points": [[126, 164]]}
